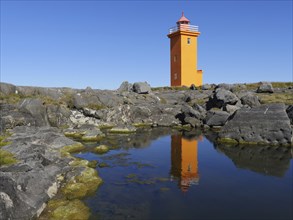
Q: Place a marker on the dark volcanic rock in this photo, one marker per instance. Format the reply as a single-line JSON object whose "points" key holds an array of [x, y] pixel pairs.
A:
{"points": [[263, 124], [190, 116], [141, 88], [265, 87]]}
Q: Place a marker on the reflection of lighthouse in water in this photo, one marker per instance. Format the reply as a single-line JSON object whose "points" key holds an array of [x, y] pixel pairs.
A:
{"points": [[184, 162]]}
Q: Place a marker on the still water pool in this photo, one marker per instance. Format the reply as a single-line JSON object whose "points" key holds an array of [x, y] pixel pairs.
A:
{"points": [[163, 174]]}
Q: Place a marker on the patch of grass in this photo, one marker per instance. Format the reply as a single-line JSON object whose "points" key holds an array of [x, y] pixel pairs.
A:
{"points": [[2, 140], [282, 84], [3, 143], [10, 99], [252, 86], [96, 106], [6, 158], [267, 98]]}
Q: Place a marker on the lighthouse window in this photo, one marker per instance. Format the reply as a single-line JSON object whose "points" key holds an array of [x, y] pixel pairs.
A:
{"points": [[175, 76], [175, 58], [188, 40]]}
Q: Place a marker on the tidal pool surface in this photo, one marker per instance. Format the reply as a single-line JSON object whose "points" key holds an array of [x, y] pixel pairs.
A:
{"points": [[161, 174]]}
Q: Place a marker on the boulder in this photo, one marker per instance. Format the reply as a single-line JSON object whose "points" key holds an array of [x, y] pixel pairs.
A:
{"points": [[36, 109], [266, 124], [222, 97], [81, 100], [206, 87], [58, 115], [216, 118], [226, 86], [265, 87], [250, 99], [189, 111], [193, 122], [200, 109], [141, 88], [125, 87], [78, 118], [192, 87], [165, 120], [231, 109]]}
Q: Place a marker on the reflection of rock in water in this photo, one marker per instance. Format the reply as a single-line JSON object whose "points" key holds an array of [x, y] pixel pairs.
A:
{"points": [[141, 138], [273, 161], [184, 163]]}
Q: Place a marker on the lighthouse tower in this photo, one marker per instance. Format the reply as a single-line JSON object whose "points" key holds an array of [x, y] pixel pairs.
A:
{"points": [[183, 52]]}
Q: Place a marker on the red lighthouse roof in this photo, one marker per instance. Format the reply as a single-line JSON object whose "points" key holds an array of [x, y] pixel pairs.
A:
{"points": [[183, 18]]}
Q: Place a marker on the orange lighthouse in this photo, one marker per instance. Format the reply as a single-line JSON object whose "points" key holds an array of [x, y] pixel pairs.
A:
{"points": [[183, 53]]}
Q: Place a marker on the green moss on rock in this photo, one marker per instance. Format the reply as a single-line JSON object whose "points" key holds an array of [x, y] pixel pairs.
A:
{"points": [[83, 185], [102, 149], [84, 163], [2, 140], [122, 130], [227, 141], [67, 210], [6, 158], [186, 127], [74, 134], [92, 138], [142, 125], [66, 150]]}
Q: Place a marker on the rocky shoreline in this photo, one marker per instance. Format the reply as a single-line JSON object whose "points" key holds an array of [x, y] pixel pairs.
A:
{"points": [[37, 126]]}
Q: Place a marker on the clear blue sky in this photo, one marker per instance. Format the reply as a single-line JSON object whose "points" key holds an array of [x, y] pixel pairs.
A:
{"points": [[102, 43]]}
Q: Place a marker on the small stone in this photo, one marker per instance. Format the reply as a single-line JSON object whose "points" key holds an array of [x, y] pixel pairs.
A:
{"points": [[141, 88], [265, 87], [102, 149]]}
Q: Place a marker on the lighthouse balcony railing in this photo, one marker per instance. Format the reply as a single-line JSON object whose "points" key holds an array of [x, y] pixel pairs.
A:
{"points": [[183, 27]]}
